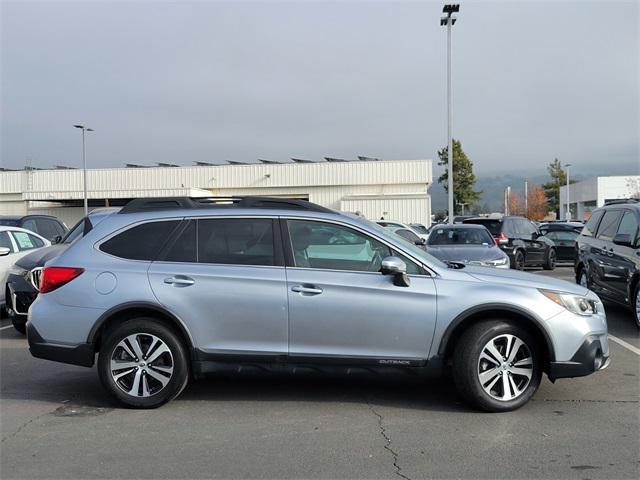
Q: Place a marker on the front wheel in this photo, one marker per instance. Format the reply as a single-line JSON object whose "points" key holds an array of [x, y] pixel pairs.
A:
{"points": [[636, 305], [518, 260], [497, 366], [550, 262], [143, 363]]}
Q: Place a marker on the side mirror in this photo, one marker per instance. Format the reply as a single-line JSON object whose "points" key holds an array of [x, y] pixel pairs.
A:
{"points": [[421, 242], [535, 235], [623, 239], [396, 267], [57, 239], [4, 251]]}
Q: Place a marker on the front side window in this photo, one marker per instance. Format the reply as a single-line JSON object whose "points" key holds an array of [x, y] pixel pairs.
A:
{"points": [[629, 226], [142, 242], [609, 225], [30, 224], [589, 230], [26, 241], [408, 234], [47, 228], [334, 247], [236, 241]]}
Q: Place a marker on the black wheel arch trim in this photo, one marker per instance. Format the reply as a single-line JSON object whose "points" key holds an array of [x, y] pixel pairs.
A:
{"points": [[489, 307], [91, 338]]}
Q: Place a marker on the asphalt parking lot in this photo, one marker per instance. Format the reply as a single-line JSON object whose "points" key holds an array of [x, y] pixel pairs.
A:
{"points": [[56, 422]]}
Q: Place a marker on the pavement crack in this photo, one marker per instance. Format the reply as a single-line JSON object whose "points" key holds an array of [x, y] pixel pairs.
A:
{"points": [[23, 426], [388, 442]]}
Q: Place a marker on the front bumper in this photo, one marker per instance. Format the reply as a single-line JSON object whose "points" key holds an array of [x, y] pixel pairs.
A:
{"points": [[82, 354], [589, 358], [20, 295]]}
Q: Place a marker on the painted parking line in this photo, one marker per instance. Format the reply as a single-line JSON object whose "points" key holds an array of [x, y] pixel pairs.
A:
{"points": [[624, 344], [6, 326]]}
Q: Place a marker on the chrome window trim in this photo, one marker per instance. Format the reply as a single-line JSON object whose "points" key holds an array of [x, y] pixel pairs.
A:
{"points": [[431, 273]]}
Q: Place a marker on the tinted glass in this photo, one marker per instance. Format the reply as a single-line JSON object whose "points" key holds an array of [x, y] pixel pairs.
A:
{"points": [[629, 226], [419, 228], [26, 241], [142, 242], [562, 235], [334, 247], [74, 233], [8, 223], [30, 224], [408, 234], [494, 226], [47, 228], [609, 225], [590, 227], [237, 241], [460, 236], [5, 241], [184, 248]]}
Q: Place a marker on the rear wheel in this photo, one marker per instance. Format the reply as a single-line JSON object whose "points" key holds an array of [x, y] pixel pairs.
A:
{"points": [[497, 366], [518, 260], [550, 262], [583, 278], [636, 305], [19, 322], [143, 363]]}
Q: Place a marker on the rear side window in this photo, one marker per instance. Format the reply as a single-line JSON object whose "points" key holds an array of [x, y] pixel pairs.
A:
{"points": [[590, 227], [47, 228], [236, 241], [142, 242], [609, 225], [26, 241], [494, 226]]}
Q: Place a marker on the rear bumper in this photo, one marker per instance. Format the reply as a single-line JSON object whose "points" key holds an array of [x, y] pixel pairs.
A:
{"points": [[82, 354], [588, 359]]}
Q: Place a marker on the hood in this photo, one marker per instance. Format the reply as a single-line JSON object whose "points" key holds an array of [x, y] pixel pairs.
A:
{"points": [[466, 253], [523, 279], [40, 256]]}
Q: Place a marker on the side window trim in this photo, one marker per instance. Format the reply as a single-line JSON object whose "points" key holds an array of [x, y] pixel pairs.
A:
{"points": [[111, 235], [288, 249]]}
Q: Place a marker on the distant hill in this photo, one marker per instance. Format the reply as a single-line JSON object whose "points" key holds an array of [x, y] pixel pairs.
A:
{"points": [[493, 185]]}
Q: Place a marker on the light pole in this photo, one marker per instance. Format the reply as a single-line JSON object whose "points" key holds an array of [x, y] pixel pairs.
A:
{"points": [[84, 167], [567, 215], [449, 21]]}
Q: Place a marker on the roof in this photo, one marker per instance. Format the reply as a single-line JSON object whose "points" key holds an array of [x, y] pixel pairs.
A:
{"points": [[461, 225]]}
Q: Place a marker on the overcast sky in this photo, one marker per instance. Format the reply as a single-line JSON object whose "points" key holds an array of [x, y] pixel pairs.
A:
{"points": [[211, 81]]}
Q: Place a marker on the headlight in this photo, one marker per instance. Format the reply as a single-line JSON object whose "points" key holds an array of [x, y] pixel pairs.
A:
{"points": [[499, 262], [574, 303]]}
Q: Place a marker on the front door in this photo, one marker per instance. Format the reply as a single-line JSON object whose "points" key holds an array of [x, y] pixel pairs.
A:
{"points": [[225, 279], [341, 307]]}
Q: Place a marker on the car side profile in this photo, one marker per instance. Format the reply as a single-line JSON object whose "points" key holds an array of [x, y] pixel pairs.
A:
{"points": [[169, 289], [521, 240], [608, 254]]}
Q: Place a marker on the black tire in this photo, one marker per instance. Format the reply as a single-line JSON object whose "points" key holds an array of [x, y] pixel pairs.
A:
{"points": [[145, 328], [635, 300], [518, 260], [467, 364], [579, 278], [550, 261], [19, 322]]}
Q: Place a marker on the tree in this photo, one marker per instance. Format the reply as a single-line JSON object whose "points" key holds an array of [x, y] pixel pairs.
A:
{"points": [[536, 207], [463, 177], [552, 187]]}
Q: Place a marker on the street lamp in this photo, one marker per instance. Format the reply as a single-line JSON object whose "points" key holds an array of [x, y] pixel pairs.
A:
{"points": [[449, 21], [568, 213], [84, 167]]}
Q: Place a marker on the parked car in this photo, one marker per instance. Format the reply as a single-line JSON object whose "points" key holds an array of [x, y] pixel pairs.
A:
{"points": [[393, 225], [410, 236], [563, 235], [521, 240], [46, 226], [468, 244], [168, 289], [15, 243], [419, 228], [22, 282], [608, 255]]}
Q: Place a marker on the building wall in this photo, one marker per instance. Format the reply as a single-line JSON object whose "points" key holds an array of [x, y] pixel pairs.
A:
{"points": [[593, 192]]}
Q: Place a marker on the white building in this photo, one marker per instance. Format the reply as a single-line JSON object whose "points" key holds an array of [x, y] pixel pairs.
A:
{"points": [[393, 189], [594, 192]]}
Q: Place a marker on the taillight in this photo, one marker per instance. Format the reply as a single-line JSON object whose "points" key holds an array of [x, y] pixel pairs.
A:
{"points": [[502, 239], [55, 277]]}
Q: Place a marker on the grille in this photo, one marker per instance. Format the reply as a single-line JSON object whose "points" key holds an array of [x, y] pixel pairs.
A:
{"points": [[34, 277]]}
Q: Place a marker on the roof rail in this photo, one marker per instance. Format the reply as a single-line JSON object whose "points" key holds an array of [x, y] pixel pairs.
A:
{"points": [[178, 203], [618, 201]]}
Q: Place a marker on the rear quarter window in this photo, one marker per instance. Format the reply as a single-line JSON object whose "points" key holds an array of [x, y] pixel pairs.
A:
{"points": [[141, 242], [589, 230]]}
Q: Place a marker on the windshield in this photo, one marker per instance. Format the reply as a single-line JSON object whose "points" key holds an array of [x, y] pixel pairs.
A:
{"points": [[460, 236], [419, 228], [407, 245], [74, 234]]}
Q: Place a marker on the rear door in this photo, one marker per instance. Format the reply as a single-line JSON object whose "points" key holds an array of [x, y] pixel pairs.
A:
{"points": [[225, 278], [604, 273], [342, 308], [565, 243], [536, 248], [622, 257]]}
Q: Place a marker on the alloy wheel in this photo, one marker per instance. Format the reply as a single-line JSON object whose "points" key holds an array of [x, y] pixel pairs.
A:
{"points": [[141, 365], [505, 367]]}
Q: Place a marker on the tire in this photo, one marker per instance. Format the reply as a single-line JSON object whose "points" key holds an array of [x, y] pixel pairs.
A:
{"points": [[550, 261], [471, 360], [19, 322], [518, 260], [636, 304], [583, 278], [154, 383]]}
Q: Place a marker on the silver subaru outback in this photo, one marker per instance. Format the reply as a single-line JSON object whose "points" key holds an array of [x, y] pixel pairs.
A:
{"points": [[168, 289]]}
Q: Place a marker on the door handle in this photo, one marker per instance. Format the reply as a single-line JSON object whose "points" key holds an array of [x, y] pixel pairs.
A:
{"points": [[179, 281], [306, 289]]}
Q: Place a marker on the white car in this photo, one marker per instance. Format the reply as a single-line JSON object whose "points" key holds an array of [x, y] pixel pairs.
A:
{"points": [[15, 243], [393, 226]]}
